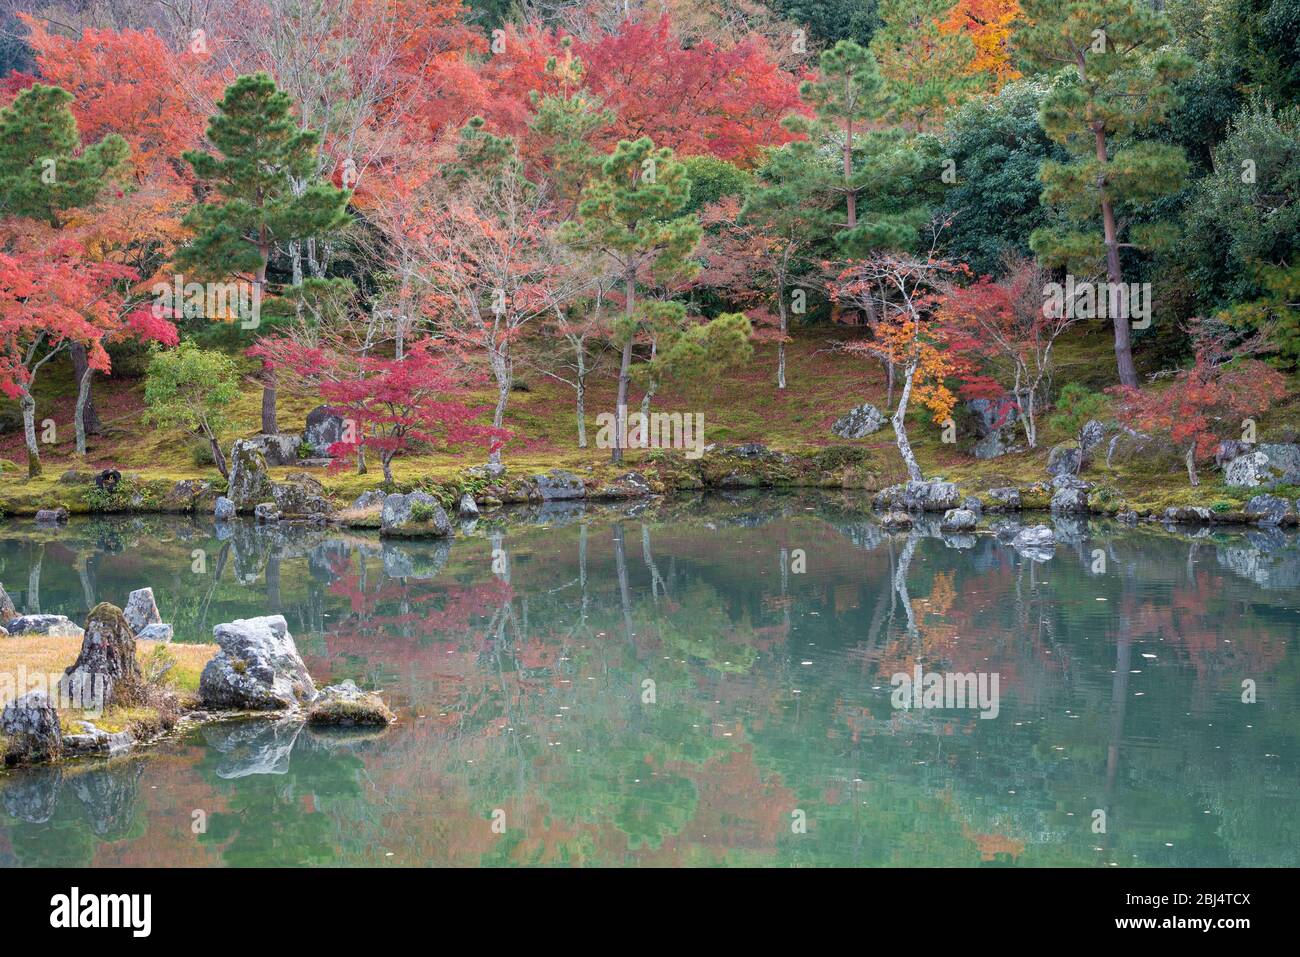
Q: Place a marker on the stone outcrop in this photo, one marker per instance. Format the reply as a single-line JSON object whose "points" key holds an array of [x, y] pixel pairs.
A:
{"points": [[258, 668], [324, 428], [106, 664], [1269, 510], [1270, 463], [958, 520], [931, 496], [346, 705], [30, 726], [52, 626], [249, 483], [416, 513], [557, 485], [859, 422]]}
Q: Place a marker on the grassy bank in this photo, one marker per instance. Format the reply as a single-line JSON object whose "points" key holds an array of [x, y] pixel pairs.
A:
{"points": [[739, 406]]}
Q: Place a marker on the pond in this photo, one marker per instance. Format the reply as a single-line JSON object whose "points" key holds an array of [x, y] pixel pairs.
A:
{"points": [[710, 682]]}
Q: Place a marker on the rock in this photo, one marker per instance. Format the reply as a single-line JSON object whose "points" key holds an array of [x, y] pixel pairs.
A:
{"points": [[973, 505], [1129, 517], [53, 626], [1229, 449], [859, 422], [1269, 510], [1006, 498], [1007, 529], [300, 497], [1070, 499], [1000, 442], [627, 485], [1034, 536], [417, 513], [31, 726], [258, 667], [141, 610], [266, 513], [106, 664], [186, 495], [324, 428], [346, 705], [1188, 513], [155, 632], [1064, 460], [280, 448], [7, 610], [93, 740], [52, 516], [371, 499], [1150, 453], [467, 507], [1091, 435], [253, 747], [750, 450], [896, 521], [558, 485], [1245, 471], [225, 509], [992, 415], [1270, 464], [958, 520], [932, 496], [249, 484]]}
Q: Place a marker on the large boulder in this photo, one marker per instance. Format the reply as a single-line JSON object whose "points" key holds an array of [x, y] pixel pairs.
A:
{"points": [[52, 516], [300, 497], [324, 428], [224, 510], [558, 484], [258, 667], [1269, 510], [31, 727], [1006, 498], [280, 448], [106, 664], [141, 610], [51, 626], [7, 610], [1070, 498], [1150, 453], [249, 483], [1091, 436], [958, 520], [345, 705], [1272, 463], [416, 513], [932, 496], [859, 422], [1064, 460]]}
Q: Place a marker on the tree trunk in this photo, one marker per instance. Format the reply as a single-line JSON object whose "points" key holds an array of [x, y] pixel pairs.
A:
{"points": [[581, 389], [269, 426], [900, 427], [1114, 274], [386, 459], [504, 375], [87, 415], [1191, 465], [218, 459], [780, 348], [624, 371], [29, 433]]}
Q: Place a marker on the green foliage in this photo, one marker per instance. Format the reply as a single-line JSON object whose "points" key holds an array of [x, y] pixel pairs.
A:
{"points": [[926, 66], [264, 175], [1075, 406], [43, 169], [423, 511], [828, 21], [190, 388], [711, 180], [691, 350], [564, 127], [128, 495]]}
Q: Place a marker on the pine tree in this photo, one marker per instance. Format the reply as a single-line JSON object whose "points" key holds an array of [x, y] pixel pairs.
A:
{"points": [[926, 68], [261, 151], [1117, 82], [629, 213]]}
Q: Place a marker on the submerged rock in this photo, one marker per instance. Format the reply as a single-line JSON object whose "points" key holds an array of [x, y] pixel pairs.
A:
{"points": [[258, 667], [52, 516], [958, 520], [31, 726], [932, 496], [346, 705]]}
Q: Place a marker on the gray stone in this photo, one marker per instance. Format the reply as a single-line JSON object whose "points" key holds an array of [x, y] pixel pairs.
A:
{"points": [[266, 513], [1269, 510], [417, 513], [1229, 449], [932, 496], [558, 485], [141, 610], [248, 484], [1188, 513], [345, 705], [1270, 464], [1007, 529], [973, 505], [995, 444], [371, 499], [158, 631], [1070, 499], [225, 509], [300, 499], [467, 507], [94, 740], [324, 428], [1091, 435], [52, 516], [958, 520], [859, 422], [280, 448], [1034, 536], [52, 626], [32, 727], [896, 520], [1007, 498], [258, 667], [106, 664], [627, 485], [7, 610], [992, 415], [1064, 460]]}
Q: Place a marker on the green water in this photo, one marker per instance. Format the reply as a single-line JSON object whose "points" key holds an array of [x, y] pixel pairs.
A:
{"points": [[703, 684]]}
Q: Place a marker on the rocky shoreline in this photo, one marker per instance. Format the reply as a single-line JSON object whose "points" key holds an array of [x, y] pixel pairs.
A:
{"points": [[257, 672]]}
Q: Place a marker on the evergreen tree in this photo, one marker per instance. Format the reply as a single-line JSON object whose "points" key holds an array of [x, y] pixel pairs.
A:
{"points": [[261, 151], [925, 67], [1117, 82]]}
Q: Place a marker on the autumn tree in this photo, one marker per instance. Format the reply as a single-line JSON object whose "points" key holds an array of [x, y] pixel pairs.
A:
{"points": [[629, 214], [1119, 82], [262, 154], [988, 23], [192, 389], [905, 289], [926, 67], [1205, 403]]}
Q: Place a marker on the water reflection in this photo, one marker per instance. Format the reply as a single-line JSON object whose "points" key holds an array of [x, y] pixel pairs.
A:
{"points": [[675, 684]]}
